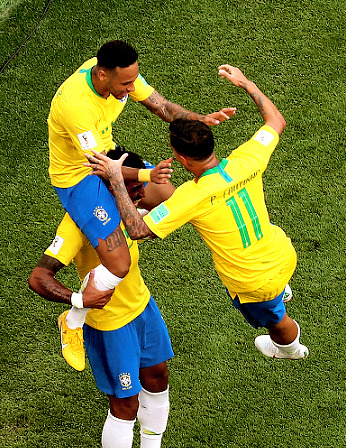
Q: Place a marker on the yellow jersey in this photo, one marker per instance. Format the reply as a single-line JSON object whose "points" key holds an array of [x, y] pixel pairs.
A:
{"points": [[80, 120], [130, 297], [226, 205]]}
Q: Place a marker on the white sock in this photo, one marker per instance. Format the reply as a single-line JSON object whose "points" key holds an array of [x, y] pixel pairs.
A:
{"points": [[117, 433], [104, 280], [75, 318], [153, 416]]}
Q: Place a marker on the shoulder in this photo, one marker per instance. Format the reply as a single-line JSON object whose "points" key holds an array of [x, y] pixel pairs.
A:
{"points": [[142, 89]]}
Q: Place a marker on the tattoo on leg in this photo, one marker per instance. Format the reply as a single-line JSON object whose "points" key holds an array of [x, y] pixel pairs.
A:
{"points": [[115, 239]]}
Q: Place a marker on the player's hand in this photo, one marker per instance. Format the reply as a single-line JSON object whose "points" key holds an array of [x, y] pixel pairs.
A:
{"points": [[162, 172], [233, 74], [220, 116], [93, 297], [105, 167]]}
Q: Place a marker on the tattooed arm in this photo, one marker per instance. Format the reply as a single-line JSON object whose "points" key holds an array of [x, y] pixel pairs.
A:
{"points": [[169, 111], [42, 280], [111, 170], [266, 108]]}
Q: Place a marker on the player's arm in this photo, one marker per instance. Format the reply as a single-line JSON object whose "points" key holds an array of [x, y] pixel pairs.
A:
{"points": [[42, 280], [169, 111], [158, 175], [111, 170], [267, 109]]}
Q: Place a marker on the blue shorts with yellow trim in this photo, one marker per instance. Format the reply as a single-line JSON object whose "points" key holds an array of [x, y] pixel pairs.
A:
{"points": [[116, 356], [261, 314], [92, 207]]}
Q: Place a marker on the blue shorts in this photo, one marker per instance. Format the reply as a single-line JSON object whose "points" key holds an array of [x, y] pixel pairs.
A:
{"points": [[262, 314], [116, 356], [92, 207]]}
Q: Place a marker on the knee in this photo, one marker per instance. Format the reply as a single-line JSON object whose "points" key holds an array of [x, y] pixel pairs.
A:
{"points": [[155, 379], [124, 408]]}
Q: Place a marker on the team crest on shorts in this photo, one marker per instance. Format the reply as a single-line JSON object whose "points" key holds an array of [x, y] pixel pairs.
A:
{"points": [[101, 214], [125, 381]]}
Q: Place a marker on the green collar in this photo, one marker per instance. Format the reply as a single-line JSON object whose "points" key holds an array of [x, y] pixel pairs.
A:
{"points": [[219, 169], [89, 81]]}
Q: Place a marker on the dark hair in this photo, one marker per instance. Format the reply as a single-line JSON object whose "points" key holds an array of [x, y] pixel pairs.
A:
{"points": [[116, 53], [191, 138], [133, 160]]}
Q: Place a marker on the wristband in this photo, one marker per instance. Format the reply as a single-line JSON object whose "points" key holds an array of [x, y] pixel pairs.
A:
{"points": [[77, 300], [144, 175]]}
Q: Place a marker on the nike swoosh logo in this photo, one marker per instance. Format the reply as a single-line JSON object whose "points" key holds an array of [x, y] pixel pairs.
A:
{"points": [[62, 344]]}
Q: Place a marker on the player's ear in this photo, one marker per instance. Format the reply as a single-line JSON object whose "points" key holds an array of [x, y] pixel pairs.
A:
{"points": [[182, 159], [102, 74]]}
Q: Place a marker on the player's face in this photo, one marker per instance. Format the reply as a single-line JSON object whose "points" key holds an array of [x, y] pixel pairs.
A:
{"points": [[136, 191], [121, 81]]}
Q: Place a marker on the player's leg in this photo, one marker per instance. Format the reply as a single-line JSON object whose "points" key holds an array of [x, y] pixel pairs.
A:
{"points": [[283, 340], [118, 428], [93, 209], [153, 409], [154, 397], [284, 332], [115, 358], [71, 322]]}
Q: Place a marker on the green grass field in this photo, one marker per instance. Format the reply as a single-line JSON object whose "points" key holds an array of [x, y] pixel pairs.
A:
{"points": [[223, 392]]}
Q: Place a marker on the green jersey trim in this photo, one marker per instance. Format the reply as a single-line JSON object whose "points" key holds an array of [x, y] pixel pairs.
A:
{"points": [[220, 169], [89, 81]]}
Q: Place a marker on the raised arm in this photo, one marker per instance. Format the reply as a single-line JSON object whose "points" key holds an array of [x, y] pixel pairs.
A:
{"points": [[169, 111], [267, 109]]}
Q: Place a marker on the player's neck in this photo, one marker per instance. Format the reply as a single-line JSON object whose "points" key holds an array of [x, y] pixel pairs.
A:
{"points": [[200, 167], [98, 85]]}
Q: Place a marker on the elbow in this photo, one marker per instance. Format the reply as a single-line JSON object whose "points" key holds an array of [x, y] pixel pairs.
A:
{"points": [[281, 123], [32, 283], [278, 123], [35, 281]]}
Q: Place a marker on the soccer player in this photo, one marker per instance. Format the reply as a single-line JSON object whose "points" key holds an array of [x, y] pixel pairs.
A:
{"points": [[225, 203], [80, 119], [126, 339]]}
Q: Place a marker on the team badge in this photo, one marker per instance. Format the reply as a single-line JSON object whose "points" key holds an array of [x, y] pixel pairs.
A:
{"points": [[101, 214], [125, 381]]}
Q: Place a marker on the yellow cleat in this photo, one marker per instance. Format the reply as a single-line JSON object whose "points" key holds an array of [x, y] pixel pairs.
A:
{"points": [[72, 344]]}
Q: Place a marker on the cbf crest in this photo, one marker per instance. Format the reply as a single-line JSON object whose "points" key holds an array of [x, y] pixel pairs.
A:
{"points": [[125, 381], [101, 214]]}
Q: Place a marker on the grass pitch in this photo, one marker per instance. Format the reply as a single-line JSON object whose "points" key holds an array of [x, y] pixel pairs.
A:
{"points": [[223, 392]]}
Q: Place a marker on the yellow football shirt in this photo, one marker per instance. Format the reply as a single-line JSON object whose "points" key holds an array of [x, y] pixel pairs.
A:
{"points": [[81, 120], [226, 205], [130, 297]]}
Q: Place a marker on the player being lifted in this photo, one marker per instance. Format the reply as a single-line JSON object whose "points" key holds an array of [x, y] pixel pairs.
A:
{"points": [[80, 120], [225, 203]]}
